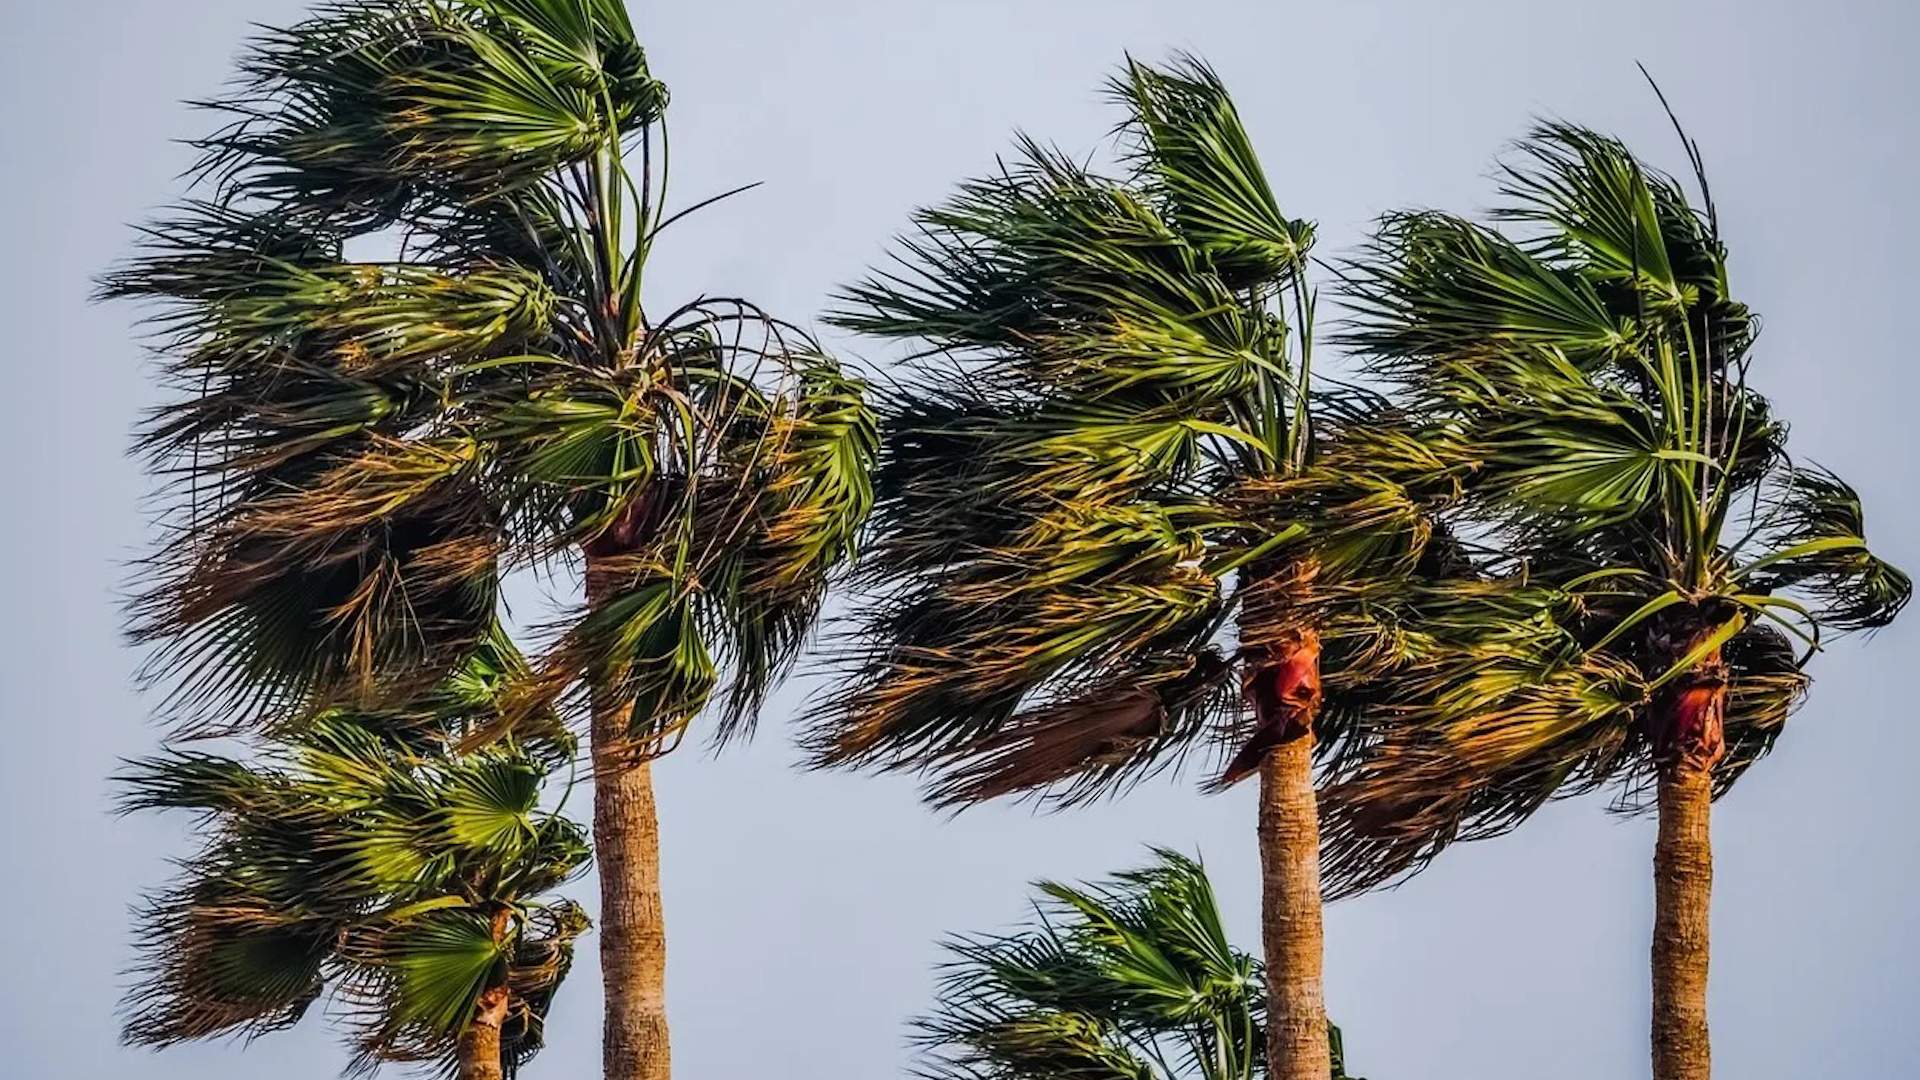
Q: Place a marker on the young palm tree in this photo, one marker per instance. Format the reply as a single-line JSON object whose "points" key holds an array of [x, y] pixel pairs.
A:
{"points": [[407, 331], [367, 856], [1588, 377], [1109, 456], [1130, 980]]}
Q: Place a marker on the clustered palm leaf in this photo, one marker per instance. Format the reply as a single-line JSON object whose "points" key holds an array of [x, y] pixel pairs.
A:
{"points": [[361, 447], [371, 857], [1107, 447], [403, 321], [1132, 979], [1582, 379]]}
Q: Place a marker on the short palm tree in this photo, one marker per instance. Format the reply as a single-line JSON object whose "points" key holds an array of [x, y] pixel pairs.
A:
{"points": [[1108, 459], [1133, 979], [369, 857], [406, 328], [1586, 373]]}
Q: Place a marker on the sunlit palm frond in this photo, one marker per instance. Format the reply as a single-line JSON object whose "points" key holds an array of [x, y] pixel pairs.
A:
{"points": [[1190, 145], [373, 108]]}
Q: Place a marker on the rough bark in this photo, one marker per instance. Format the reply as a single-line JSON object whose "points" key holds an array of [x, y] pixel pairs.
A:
{"points": [[479, 1050], [1689, 741], [480, 1043], [631, 926], [1286, 696]]}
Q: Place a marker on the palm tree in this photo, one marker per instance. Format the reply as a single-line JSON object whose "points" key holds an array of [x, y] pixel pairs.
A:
{"points": [[1588, 378], [1133, 979], [1109, 458], [405, 327], [368, 856]]}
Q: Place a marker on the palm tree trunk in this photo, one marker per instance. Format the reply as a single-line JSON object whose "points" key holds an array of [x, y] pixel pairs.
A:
{"points": [[478, 1054], [632, 927], [479, 1050], [1683, 888], [1286, 697], [1690, 743]]}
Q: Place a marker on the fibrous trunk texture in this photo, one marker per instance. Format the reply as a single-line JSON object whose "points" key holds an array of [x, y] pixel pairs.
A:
{"points": [[631, 927], [480, 1043], [1690, 742], [479, 1051], [1286, 696]]}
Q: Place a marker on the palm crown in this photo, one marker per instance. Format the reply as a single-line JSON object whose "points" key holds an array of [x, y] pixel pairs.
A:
{"points": [[1131, 979], [368, 856], [1111, 419], [1586, 381], [362, 447]]}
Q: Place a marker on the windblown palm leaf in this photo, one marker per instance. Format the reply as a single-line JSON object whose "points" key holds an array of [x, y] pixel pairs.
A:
{"points": [[1586, 378], [362, 448], [1133, 979], [1107, 440], [366, 855], [1115, 520]]}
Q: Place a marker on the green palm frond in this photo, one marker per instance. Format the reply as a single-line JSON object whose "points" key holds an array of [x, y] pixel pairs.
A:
{"points": [[365, 854], [1433, 291], [1129, 979], [1816, 546], [1096, 359], [1586, 386], [1077, 601], [1191, 145], [372, 107], [360, 449]]}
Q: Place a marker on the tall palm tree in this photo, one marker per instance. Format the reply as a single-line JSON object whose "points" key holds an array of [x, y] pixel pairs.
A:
{"points": [[1587, 376], [1109, 460], [406, 328], [1132, 979], [369, 856]]}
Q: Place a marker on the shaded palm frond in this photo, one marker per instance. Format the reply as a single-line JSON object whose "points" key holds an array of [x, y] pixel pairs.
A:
{"points": [[1815, 545], [375, 109], [364, 582]]}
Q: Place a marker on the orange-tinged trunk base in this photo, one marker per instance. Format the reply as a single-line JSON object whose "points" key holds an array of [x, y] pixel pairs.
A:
{"points": [[1285, 694], [1689, 740]]}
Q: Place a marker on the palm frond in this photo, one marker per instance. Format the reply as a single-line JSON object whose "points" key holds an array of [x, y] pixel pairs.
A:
{"points": [[1132, 978], [367, 854]]}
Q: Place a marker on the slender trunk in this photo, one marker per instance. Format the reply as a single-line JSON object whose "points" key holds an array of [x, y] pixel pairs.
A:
{"points": [[1689, 743], [479, 1050], [632, 929], [1286, 695], [1683, 887]]}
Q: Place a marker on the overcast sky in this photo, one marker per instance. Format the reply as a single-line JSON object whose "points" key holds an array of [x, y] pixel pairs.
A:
{"points": [[803, 909]]}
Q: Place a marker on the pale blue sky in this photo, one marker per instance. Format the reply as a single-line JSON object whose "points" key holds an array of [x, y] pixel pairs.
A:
{"points": [[803, 909]]}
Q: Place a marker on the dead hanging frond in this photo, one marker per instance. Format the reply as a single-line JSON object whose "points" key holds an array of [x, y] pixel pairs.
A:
{"points": [[1076, 600], [1098, 741], [361, 584]]}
